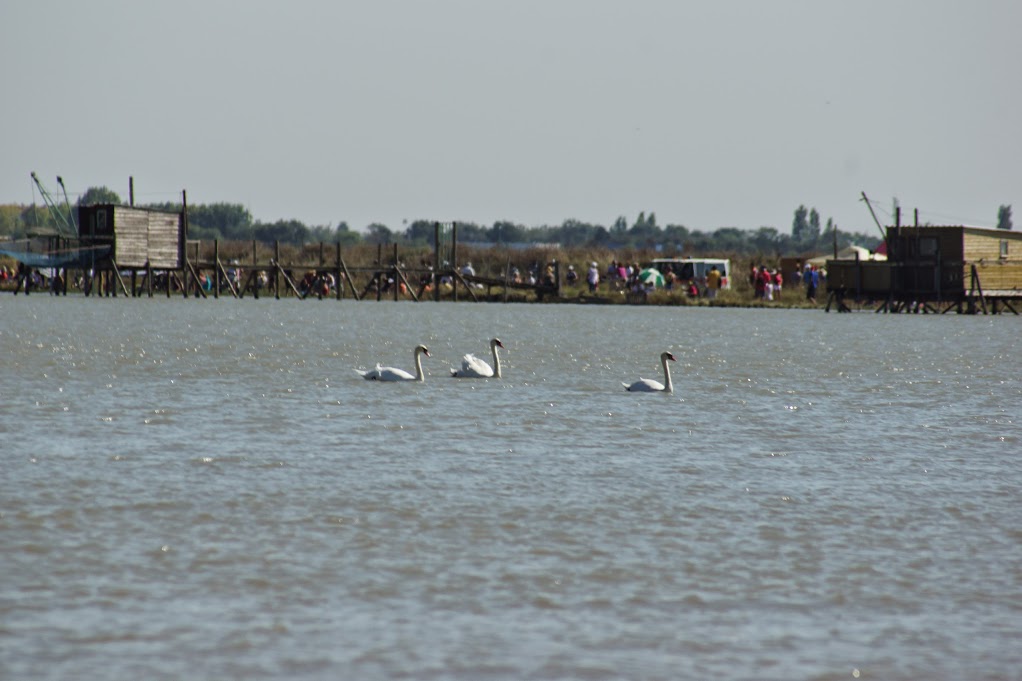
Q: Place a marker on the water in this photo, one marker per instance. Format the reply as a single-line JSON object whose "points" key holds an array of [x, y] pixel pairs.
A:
{"points": [[206, 489]]}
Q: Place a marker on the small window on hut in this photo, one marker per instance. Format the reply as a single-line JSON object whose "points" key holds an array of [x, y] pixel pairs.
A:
{"points": [[1004, 249]]}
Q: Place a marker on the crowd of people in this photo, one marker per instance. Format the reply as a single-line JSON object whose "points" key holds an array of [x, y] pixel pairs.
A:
{"points": [[619, 276], [811, 277], [624, 277], [767, 284], [30, 279], [317, 283]]}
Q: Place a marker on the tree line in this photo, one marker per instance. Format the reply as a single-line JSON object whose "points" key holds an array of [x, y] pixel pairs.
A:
{"points": [[234, 222]]}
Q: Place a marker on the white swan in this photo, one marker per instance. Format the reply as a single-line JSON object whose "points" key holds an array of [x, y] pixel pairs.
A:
{"points": [[381, 373], [473, 367], [645, 385]]}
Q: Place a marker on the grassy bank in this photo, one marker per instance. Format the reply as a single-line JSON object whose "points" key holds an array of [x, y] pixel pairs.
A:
{"points": [[492, 262]]}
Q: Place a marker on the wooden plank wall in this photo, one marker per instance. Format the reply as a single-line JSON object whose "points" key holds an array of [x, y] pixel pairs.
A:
{"points": [[131, 228], [984, 250], [96, 221], [165, 240], [868, 277], [146, 236]]}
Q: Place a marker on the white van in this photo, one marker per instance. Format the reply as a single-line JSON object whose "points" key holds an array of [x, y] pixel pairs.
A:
{"points": [[695, 269]]}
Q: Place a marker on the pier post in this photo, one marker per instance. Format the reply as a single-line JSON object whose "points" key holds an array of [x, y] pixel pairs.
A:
{"points": [[454, 259], [216, 268], [379, 264], [337, 274], [184, 243], [436, 262], [254, 276], [276, 271], [507, 276], [397, 279]]}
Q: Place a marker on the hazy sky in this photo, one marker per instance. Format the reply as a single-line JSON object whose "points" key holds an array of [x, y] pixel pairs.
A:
{"points": [[709, 114]]}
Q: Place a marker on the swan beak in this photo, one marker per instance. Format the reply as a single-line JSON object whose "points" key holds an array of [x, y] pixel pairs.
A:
{"points": [[671, 357], [425, 351], [499, 344]]}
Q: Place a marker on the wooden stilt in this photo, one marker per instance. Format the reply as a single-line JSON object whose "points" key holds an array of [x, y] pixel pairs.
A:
{"points": [[224, 277], [119, 280], [217, 269], [197, 282]]}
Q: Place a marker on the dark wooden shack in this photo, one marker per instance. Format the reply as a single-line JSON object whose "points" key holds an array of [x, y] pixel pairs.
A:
{"points": [[935, 268], [139, 237]]}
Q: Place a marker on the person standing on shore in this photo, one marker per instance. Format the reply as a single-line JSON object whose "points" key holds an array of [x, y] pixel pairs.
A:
{"points": [[811, 279], [759, 282], [768, 283], [593, 277], [712, 282]]}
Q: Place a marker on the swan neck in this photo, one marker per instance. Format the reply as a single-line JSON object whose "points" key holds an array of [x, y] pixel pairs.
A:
{"points": [[668, 386], [418, 366], [496, 361]]}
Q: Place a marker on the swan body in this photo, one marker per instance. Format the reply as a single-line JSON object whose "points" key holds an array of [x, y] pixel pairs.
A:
{"points": [[473, 367], [382, 373], [646, 385]]}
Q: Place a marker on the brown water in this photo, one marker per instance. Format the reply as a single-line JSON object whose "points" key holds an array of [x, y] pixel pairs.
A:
{"points": [[206, 489]]}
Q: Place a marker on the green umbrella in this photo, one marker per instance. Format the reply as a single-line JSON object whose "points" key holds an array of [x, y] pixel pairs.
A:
{"points": [[651, 275]]}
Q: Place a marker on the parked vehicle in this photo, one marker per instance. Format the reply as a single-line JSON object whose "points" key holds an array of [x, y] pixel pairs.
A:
{"points": [[695, 269]]}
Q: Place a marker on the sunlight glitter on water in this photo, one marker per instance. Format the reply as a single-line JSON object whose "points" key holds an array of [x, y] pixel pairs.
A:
{"points": [[821, 494]]}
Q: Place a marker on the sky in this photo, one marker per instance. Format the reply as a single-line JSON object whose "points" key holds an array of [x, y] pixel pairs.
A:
{"points": [[708, 114]]}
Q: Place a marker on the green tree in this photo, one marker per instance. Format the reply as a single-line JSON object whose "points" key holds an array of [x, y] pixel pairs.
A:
{"points": [[619, 228], [36, 216], [230, 220], [10, 221], [730, 239], [379, 234], [99, 195], [643, 223], [640, 222], [344, 236], [470, 231], [766, 239], [1004, 217], [504, 232], [813, 236], [285, 231], [676, 236], [574, 233], [213, 220], [800, 225], [420, 232], [702, 243], [601, 237]]}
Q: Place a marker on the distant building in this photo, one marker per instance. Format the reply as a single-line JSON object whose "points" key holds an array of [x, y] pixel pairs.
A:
{"points": [[937, 268], [138, 236]]}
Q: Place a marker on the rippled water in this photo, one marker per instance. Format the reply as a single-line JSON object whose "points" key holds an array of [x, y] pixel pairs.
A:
{"points": [[206, 489]]}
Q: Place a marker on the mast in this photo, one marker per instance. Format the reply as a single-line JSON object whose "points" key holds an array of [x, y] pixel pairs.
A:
{"points": [[65, 223]]}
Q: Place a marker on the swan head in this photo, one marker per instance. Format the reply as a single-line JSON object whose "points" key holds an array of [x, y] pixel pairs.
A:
{"points": [[495, 343], [423, 350], [664, 356]]}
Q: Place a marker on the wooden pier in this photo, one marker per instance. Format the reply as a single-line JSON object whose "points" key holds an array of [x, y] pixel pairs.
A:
{"points": [[934, 270], [146, 253]]}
